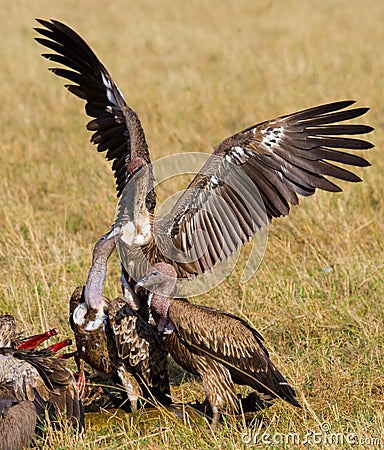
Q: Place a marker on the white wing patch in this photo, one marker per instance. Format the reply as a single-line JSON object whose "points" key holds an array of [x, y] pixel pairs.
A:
{"points": [[238, 155], [271, 136], [108, 85], [214, 181]]}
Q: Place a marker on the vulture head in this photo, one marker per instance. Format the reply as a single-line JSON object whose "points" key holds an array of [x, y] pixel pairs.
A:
{"points": [[160, 280]]}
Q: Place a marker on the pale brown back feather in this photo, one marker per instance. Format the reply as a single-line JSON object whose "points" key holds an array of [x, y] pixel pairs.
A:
{"points": [[231, 342]]}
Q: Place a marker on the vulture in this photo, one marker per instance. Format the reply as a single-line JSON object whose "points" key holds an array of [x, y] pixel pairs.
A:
{"points": [[251, 177], [33, 384], [126, 348], [114, 338], [218, 346]]}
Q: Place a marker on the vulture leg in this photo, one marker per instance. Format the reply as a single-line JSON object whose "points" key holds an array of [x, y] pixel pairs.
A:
{"points": [[215, 417], [130, 385], [81, 379], [219, 388]]}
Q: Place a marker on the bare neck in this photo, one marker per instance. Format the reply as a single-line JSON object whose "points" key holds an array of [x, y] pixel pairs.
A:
{"points": [[161, 303], [140, 148], [93, 292], [143, 184]]}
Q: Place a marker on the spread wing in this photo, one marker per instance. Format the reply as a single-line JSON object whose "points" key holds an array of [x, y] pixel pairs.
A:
{"points": [[115, 125], [256, 174]]}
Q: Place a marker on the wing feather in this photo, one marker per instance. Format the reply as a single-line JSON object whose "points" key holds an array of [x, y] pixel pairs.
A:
{"points": [[231, 342], [115, 124], [139, 346], [256, 174], [219, 335]]}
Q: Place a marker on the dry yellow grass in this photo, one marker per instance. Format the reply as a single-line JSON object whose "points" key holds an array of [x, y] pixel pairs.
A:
{"points": [[196, 72]]}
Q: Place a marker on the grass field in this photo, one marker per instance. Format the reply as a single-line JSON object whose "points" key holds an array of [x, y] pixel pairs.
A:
{"points": [[196, 72]]}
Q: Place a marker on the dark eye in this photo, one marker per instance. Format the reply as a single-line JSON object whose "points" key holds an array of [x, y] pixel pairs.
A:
{"points": [[154, 273]]}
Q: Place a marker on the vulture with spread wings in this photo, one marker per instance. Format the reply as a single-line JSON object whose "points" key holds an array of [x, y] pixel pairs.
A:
{"points": [[251, 177]]}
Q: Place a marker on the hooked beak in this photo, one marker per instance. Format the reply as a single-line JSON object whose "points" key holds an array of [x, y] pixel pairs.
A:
{"points": [[115, 233], [147, 282], [139, 286]]}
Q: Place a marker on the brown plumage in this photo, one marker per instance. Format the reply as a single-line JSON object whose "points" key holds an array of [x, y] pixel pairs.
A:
{"points": [[216, 379], [117, 128], [125, 347], [252, 176], [18, 419], [206, 341], [32, 384], [113, 338], [8, 335]]}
